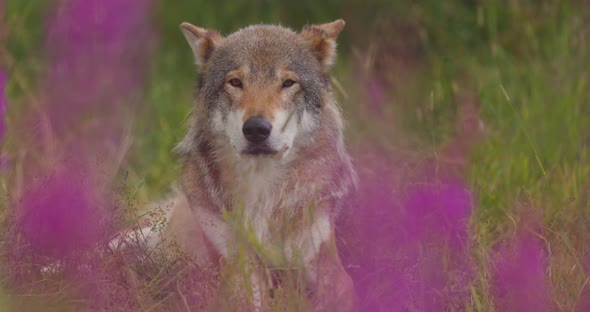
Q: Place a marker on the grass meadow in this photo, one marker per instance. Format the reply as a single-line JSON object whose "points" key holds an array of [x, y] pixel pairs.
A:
{"points": [[469, 122]]}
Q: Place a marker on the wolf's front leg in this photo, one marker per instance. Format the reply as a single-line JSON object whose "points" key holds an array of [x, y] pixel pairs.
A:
{"points": [[331, 286]]}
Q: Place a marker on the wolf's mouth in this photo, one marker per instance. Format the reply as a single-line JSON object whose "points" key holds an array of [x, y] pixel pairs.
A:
{"points": [[259, 150]]}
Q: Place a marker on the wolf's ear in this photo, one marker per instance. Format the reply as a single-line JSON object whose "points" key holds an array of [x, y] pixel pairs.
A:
{"points": [[322, 40], [202, 41]]}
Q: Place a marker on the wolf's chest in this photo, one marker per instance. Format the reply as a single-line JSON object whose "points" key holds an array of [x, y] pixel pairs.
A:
{"points": [[257, 196]]}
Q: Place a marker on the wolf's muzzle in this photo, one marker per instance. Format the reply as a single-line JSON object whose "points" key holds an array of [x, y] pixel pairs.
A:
{"points": [[256, 129]]}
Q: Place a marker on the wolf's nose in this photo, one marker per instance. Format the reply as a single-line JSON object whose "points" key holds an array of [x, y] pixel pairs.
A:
{"points": [[256, 129]]}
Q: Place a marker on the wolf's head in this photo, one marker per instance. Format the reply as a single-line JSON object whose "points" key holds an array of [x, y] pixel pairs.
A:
{"points": [[263, 88]]}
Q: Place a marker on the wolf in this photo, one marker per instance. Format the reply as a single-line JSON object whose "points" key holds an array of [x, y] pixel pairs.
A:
{"points": [[265, 145]]}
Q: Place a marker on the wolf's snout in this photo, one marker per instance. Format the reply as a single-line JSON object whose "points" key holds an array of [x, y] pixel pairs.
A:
{"points": [[256, 129]]}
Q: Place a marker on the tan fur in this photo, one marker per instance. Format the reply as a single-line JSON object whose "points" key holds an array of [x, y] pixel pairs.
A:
{"points": [[321, 38], [260, 102], [209, 40], [184, 230]]}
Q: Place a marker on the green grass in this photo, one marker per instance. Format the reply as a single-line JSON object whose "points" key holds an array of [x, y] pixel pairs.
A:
{"points": [[528, 64]]}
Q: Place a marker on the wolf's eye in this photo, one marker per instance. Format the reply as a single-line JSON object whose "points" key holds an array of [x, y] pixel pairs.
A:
{"points": [[235, 82], [288, 83]]}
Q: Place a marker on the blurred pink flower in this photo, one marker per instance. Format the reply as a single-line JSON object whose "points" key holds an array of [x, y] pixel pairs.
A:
{"points": [[518, 276], [60, 215], [583, 303], [97, 51], [413, 245], [376, 95], [96, 54], [3, 99]]}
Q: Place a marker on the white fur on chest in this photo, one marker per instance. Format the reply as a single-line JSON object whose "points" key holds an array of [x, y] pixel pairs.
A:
{"points": [[257, 193]]}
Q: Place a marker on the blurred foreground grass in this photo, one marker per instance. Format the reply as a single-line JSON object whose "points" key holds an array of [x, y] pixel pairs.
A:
{"points": [[526, 62]]}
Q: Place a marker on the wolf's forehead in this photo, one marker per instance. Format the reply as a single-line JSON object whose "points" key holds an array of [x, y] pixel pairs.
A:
{"points": [[263, 49]]}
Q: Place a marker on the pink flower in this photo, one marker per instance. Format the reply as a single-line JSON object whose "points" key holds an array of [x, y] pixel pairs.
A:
{"points": [[413, 250], [60, 215], [518, 276], [3, 99]]}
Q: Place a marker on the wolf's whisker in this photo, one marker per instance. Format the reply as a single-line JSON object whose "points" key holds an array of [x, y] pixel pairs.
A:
{"points": [[287, 121]]}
